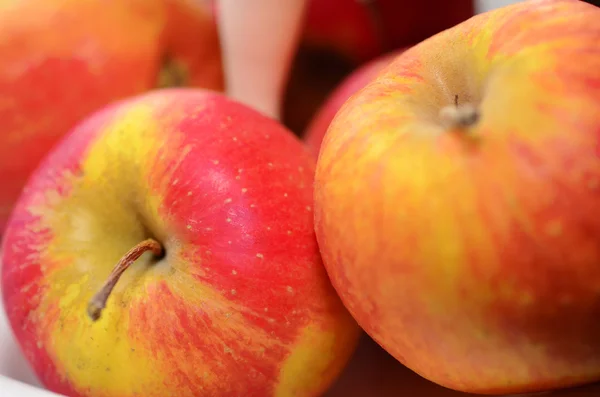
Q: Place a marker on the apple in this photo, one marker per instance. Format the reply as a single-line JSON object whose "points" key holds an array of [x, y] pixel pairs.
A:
{"points": [[205, 207], [61, 60], [457, 202], [359, 78], [361, 30], [314, 74]]}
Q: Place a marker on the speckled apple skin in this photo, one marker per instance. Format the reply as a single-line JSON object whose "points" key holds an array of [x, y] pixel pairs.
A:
{"points": [[240, 305]]}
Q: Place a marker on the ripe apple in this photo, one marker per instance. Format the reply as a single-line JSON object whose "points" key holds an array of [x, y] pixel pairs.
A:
{"points": [[219, 290], [457, 201], [363, 29], [62, 59], [359, 78]]}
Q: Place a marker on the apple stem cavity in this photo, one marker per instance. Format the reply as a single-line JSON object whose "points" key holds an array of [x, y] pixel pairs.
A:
{"points": [[98, 301], [172, 74], [459, 116]]}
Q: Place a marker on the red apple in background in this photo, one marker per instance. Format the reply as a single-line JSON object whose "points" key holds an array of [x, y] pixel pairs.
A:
{"points": [[314, 74], [363, 29], [62, 59], [340, 35], [457, 202], [232, 298], [355, 81]]}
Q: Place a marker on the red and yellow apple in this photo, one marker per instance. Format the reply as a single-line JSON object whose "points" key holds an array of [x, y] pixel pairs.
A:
{"points": [[232, 298], [359, 78], [457, 201], [62, 59]]}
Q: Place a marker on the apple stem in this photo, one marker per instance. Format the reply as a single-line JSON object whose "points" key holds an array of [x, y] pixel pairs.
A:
{"points": [[98, 301], [459, 116]]}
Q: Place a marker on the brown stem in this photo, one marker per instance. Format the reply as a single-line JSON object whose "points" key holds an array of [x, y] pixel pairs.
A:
{"points": [[98, 301]]}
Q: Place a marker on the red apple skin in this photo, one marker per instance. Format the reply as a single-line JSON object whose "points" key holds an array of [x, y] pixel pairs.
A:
{"points": [[62, 59], [472, 255], [363, 30], [313, 136], [240, 304]]}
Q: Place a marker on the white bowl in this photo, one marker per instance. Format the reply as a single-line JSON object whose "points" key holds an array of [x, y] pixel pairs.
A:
{"points": [[16, 377]]}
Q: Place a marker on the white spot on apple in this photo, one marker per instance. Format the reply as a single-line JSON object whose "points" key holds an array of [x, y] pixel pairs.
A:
{"points": [[266, 309], [237, 177], [234, 139], [228, 220], [252, 205], [289, 232], [240, 170], [175, 181], [308, 208], [260, 256], [215, 162], [289, 289], [208, 229], [234, 272], [244, 190], [189, 227], [268, 227], [285, 194], [270, 165], [229, 242], [190, 193], [233, 292], [227, 200]]}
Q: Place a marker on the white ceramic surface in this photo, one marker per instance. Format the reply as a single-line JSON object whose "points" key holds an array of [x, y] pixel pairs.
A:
{"points": [[16, 377]]}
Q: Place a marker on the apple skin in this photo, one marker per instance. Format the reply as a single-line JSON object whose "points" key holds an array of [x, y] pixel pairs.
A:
{"points": [[62, 59], [362, 30], [472, 255], [373, 372], [241, 303], [313, 136]]}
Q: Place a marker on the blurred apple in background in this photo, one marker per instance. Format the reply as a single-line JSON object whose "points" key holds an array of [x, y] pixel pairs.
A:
{"points": [[62, 59], [355, 81], [360, 30], [226, 295], [340, 35], [457, 201]]}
